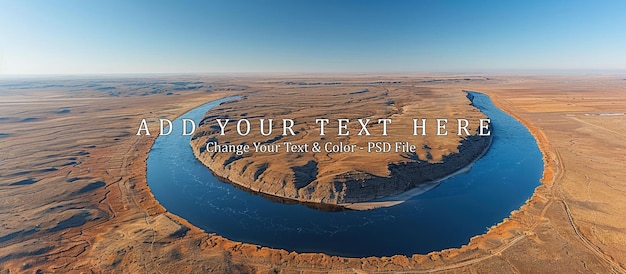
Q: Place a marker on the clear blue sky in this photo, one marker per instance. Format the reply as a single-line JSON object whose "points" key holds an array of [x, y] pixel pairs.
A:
{"points": [[88, 37]]}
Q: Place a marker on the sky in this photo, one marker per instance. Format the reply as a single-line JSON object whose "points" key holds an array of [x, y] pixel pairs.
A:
{"points": [[321, 36]]}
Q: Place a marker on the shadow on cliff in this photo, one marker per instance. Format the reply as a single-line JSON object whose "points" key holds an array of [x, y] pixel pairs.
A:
{"points": [[317, 206]]}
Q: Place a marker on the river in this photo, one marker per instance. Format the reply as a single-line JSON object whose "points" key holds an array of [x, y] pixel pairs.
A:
{"points": [[446, 216]]}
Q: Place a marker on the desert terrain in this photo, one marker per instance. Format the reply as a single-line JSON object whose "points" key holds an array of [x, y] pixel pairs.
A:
{"points": [[74, 196], [348, 176]]}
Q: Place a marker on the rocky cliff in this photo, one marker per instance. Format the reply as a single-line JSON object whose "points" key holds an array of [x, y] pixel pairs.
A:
{"points": [[335, 178]]}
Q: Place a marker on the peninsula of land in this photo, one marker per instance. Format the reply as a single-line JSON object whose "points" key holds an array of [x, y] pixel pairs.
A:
{"points": [[359, 174]]}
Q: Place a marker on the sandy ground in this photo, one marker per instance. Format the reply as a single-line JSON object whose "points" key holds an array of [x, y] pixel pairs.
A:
{"points": [[74, 198]]}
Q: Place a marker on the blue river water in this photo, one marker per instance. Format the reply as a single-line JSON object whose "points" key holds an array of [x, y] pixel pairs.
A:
{"points": [[447, 216]]}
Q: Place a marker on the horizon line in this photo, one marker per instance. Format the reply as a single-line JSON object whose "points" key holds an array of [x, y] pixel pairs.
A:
{"points": [[512, 71]]}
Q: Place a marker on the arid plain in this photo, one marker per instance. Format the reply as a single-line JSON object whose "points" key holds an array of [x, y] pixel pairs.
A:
{"points": [[74, 196]]}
